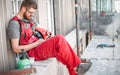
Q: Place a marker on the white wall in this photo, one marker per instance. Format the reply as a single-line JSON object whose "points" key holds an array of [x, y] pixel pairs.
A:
{"points": [[45, 10], [64, 16], [3, 44], [117, 6]]}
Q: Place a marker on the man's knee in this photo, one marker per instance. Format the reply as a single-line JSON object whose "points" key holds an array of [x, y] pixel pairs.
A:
{"points": [[60, 36], [59, 39]]}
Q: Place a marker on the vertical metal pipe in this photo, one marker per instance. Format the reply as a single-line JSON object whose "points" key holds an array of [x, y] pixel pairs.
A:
{"points": [[54, 17], [90, 22], [111, 5], [77, 12], [100, 6], [96, 12]]}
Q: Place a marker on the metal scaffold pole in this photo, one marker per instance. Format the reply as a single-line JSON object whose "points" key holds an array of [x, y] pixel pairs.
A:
{"points": [[90, 21], [77, 14], [96, 12]]}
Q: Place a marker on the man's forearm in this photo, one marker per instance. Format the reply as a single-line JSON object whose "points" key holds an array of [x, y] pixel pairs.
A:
{"points": [[17, 48], [32, 45]]}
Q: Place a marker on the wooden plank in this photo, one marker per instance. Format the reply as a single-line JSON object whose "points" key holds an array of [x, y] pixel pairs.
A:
{"points": [[19, 71]]}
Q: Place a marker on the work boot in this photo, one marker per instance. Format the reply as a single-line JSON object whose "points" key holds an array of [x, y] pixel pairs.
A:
{"points": [[84, 60], [84, 67]]}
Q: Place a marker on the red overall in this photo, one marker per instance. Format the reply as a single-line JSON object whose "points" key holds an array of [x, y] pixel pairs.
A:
{"points": [[56, 46]]}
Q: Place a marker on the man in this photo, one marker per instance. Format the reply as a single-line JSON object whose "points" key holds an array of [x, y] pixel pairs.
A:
{"points": [[20, 32]]}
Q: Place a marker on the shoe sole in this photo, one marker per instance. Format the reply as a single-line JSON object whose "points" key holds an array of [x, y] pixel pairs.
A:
{"points": [[84, 67]]}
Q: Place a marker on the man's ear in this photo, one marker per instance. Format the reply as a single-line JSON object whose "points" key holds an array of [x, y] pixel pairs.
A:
{"points": [[23, 9]]}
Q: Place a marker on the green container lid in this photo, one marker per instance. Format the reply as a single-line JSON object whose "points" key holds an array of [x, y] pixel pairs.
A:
{"points": [[23, 63]]}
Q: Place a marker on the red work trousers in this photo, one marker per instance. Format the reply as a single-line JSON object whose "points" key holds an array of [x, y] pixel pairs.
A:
{"points": [[57, 47]]}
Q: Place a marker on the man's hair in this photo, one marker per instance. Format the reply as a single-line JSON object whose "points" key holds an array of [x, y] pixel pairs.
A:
{"points": [[29, 4]]}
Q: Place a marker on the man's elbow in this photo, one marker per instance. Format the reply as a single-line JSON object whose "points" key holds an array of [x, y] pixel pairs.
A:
{"points": [[16, 50]]}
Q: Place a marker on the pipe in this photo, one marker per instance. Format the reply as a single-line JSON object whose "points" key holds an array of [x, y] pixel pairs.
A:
{"points": [[90, 21], [96, 12], [77, 12], [54, 17]]}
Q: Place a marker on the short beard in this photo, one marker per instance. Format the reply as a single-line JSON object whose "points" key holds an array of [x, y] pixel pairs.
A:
{"points": [[25, 17]]}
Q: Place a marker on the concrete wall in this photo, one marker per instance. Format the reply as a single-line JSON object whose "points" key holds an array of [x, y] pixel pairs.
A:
{"points": [[7, 60], [64, 16], [42, 8], [4, 56], [46, 14]]}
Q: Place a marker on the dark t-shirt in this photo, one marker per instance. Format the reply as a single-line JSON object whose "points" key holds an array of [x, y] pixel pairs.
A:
{"points": [[14, 29]]}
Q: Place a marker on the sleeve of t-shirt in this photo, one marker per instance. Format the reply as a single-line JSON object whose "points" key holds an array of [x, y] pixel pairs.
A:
{"points": [[13, 30]]}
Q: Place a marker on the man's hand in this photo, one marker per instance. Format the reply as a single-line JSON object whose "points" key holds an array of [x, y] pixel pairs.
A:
{"points": [[50, 34], [40, 41]]}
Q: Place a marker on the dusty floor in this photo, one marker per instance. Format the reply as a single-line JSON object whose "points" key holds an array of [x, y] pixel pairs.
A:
{"points": [[106, 61]]}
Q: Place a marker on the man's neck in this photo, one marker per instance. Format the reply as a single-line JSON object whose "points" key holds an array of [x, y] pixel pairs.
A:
{"points": [[20, 15]]}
